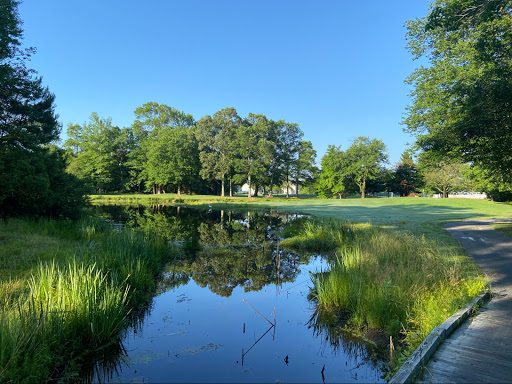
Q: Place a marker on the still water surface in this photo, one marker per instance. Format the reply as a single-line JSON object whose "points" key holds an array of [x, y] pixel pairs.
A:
{"points": [[204, 325]]}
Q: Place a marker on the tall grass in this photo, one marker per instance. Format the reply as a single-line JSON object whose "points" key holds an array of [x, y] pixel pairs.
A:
{"points": [[71, 306], [319, 235], [402, 285]]}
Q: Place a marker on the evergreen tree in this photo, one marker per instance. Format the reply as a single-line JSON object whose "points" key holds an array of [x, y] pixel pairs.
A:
{"points": [[32, 175]]}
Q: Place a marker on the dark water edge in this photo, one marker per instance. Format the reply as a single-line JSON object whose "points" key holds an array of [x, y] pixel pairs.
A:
{"points": [[203, 326]]}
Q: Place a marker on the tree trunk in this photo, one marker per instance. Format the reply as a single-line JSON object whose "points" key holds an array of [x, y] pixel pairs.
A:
{"points": [[179, 189], [297, 190], [339, 195], [230, 188], [249, 193], [255, 190], [222, 189]]}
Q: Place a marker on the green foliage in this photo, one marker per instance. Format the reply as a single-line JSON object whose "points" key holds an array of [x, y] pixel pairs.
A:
{"points": [[216, 142], [461, 100], [304, 167], [334, 177], [172, 159], [480, 179], [98, 154], [365, 158], [359, 164], [444, 177], [395, 283], [69, 295], [32, 174], [253, 149], [406, 178]]}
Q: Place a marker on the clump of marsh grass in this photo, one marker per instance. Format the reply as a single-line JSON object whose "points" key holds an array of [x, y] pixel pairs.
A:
{"points": [[319, 236], [59, 311], [402, 285]]}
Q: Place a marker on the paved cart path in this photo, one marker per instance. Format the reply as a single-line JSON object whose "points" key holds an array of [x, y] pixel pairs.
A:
{"points": [[480, 350]]}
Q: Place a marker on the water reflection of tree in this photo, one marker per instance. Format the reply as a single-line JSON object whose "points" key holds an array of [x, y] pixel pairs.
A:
{"points": [[238, 249], [249, 267]]}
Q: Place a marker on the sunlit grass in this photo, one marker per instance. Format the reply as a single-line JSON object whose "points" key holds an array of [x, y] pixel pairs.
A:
{"points": [[504, 228], [400, 284], [66, 292]]}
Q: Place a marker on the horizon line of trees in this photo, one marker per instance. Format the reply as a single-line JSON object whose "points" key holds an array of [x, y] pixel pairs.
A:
{"points": [[166, 150]]}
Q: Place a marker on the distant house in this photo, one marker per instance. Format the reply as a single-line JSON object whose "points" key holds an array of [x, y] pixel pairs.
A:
{"points": [[282, 191], [463, 195]]}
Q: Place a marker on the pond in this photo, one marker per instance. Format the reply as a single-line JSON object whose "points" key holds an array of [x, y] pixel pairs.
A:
{"points": [[234, 307]]}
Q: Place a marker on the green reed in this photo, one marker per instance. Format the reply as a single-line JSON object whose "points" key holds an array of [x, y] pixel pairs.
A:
{"points": [[69, 299], [397, 283]]}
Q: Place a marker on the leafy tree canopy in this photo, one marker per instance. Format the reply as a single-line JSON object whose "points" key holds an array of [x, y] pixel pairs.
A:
{"points": [[461, 100]]}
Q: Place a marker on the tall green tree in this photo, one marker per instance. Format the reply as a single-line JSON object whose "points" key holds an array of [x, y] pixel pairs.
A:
{"points": [[253, 149], [99, 154], [444, 177], [32, 174], [406, 178], [461, 104], [216, 140], [290, 142], [149, 118], [172, 159], [333, 177], [365, 158], [305, 170]]}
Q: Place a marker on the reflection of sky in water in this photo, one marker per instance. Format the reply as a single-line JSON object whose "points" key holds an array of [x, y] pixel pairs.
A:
{"points": [[195, 335]]}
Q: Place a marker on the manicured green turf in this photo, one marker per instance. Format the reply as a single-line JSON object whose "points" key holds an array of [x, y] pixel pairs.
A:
{"points": [[505, 228]]}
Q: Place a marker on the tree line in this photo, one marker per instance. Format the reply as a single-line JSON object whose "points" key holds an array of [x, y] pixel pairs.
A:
{"points": [[166, 150]]}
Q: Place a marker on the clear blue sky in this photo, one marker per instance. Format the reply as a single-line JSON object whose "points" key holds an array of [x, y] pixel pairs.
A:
{"points": [[334, 67]]}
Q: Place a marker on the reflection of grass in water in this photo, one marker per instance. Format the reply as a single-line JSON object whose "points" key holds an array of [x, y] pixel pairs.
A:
{"points": [[399, 284], [331, 326]]}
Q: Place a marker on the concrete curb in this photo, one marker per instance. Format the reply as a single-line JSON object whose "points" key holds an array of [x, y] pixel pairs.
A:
{"points": [[420, 357]]}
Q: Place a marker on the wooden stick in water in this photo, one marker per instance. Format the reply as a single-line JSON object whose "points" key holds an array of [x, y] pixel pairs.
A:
{"points": [[258, 312]]}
